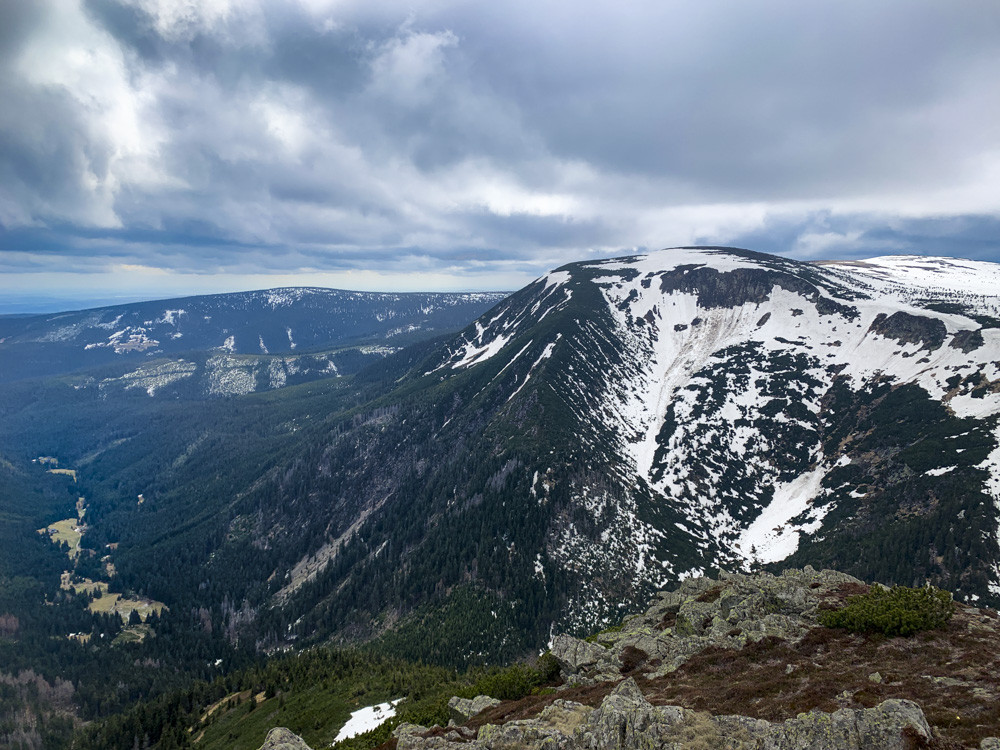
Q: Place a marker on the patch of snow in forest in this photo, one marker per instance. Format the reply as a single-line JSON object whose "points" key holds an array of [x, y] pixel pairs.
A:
{"points": [[771, 537], [366, 719]]}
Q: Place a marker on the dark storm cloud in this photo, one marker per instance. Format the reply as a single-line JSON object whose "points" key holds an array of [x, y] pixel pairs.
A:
{"points": [[17, 22], [227, 135], [525, 233], [747, 104], [964, 236], [825, 236], [46, 152], [131, 27]]}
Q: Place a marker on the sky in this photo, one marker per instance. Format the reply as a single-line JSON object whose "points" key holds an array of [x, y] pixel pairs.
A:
{"points": [[155, 148]]}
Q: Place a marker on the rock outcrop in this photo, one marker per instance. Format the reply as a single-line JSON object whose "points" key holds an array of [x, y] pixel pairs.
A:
{"points": [[701, 612], [742, 663], [460, 710], [575, 655], [280, 738], [625, 720], [726, 613]]}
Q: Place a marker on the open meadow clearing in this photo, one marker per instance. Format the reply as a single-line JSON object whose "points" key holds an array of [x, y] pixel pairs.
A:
{"points": [[67, 530], [124, 606], [64, 472], [85, 586]]}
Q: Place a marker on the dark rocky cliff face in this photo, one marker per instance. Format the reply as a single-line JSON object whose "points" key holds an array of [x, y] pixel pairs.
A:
{"points": [[913, 329], [743, 286], [967, 341]]}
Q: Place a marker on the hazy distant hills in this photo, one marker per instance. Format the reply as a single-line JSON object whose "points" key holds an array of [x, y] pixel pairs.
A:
{"points": [[270, 322]]}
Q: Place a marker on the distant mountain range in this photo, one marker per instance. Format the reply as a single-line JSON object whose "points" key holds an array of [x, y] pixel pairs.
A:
{"points": [[286, 322]]}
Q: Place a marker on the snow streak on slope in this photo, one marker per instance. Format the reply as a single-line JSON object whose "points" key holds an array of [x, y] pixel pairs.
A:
{"points": [[484, 340], [475, 352], [717, 406], [546, 353], [705, 386], [153, 377], [771, 537], [366, 719]]}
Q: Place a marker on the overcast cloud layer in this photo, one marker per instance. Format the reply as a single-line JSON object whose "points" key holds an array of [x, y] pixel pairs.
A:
{"points": [[179, 144]]}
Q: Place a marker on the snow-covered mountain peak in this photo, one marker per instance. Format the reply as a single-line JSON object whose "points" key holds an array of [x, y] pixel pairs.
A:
{"points": [[713, 378]]}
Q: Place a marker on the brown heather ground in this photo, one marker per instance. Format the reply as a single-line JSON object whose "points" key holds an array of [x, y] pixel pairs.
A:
{"points": [[953, 674]]}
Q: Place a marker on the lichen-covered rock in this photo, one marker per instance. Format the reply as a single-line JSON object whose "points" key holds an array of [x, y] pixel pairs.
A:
{"points": [[625, 720], [415, 737], [557, 727], [460, 710], [280, 738], [892, 725], [701, 612], [407, 728], [434, 742], [574, 655]]}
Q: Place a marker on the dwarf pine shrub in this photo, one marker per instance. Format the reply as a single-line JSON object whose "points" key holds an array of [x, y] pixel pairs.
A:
{"points": [[900, 610]]}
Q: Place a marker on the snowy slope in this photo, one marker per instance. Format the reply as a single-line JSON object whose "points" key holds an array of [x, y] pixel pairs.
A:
{"points": [[713, 381]]}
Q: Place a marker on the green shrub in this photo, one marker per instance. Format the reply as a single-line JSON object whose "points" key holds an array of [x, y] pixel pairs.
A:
{"points": [[548, 668], [427, 713], [897, 611], [508, 684]]}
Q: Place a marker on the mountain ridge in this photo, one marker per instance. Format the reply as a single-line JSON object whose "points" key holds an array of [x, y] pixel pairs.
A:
{"points": [[289, 321], [610, 428], [683, 397]]}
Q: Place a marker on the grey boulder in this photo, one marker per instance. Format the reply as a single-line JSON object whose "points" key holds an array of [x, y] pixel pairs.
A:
{"points": [[460, 710], [280, 738]]}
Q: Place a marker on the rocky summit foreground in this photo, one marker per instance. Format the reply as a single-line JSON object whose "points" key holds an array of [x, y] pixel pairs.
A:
{"points": [[742, 662], [626, 719], [701, 613]]}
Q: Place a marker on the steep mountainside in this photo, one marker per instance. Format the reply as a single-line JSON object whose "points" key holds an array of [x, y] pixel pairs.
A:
{"points": [[620, 424], [611, 428], [272, 321]]}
